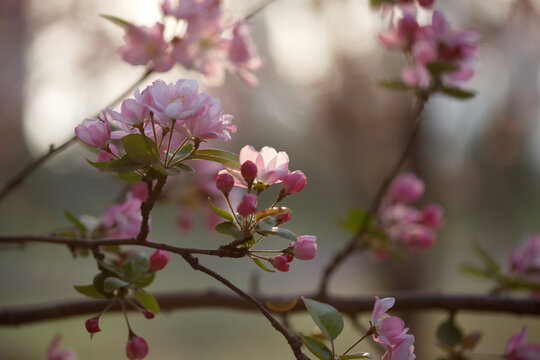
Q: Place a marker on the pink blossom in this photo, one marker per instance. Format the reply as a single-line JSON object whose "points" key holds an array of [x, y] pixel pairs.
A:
{"points": [[416, 75], [294, 183], [402, 35], [248, 205], [145, 45], [124, 219], [404, 350], [407, 188], [305, 247], [432, 216], [136, 347], [243, 55], [159, 259], [104, 156], [95, 132], [272, 166], [133, 111], [53, 353], [417, 237], [208, 122], [524, 260], [390, 331], [280, 262], [188, 9], [516, 349], [139, 191], [282, 218], [185, 219], [175, 100]]}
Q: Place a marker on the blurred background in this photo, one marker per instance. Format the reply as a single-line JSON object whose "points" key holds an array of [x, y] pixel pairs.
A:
{"points": [[317, 101]]}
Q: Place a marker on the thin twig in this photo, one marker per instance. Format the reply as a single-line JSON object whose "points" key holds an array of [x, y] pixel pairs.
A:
{"points": [[353, 243], [146, 207]]}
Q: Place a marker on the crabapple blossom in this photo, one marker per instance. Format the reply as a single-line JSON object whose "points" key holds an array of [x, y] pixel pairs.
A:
{"points": [[293, 183], [243, 56], [92, 325], [175, 100], [95, 132], [248, 205], [133, 111], [305, 247], [106, 155], [136, 347], [516, 349], [280, 262], [146, 45], [407, 188], [432, 216], [159, 259], [53, 353], [404, 350], [123, 220], [188, 9], [208, 122], [524, 260], [225, 183]]}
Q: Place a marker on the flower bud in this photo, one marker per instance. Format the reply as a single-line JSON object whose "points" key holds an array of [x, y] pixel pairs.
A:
{"points": [[289, 257], [293, 183], [159, 259], [136, 347], [282, 218], [305, 247], [407, 188], [94, 132], [225, 182], [248, 205], [149, 314], [280, 262], [249, 171], [426, 3], [432, 216], [92, 325]]}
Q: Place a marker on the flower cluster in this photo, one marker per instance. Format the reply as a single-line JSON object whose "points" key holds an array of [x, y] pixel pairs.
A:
{"points": [[257, 172], [440, 56], [524, 260], [53, 353], [516, 349], [404, 223], [159, 128], [211, 42], [390, 331]]}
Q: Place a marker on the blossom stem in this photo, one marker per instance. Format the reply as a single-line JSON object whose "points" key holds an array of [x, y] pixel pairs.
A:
{"points": [[369, 332], [231, 208], [125, 315]]}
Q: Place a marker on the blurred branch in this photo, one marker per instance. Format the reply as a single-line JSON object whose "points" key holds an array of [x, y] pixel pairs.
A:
{"points": [[17, 180], [294, 342], [93, 243], [405, 302], [354, 243]]}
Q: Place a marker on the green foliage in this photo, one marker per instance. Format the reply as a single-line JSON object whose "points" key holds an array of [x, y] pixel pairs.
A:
{"points": [[89, 290], [141, 149], [229, 228], [272, 212], [226, 158], [394, 84], [146, 300], [362, 355], [458, 93], [220, 212], [116, 20], [136, 266], [75, 221], [327, 318], [261, 265], [274, 230], [449, 334], [124, 165], [113, 283], [316, 347]]}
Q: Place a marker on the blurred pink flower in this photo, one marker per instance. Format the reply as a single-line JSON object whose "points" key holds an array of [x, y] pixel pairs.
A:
{"points": [[407, 188], [248, 205], [516, 349], [188, 9], [53, 353], [524, 260], [123, 220], [243, 55], [146, 45], [136, 347]]}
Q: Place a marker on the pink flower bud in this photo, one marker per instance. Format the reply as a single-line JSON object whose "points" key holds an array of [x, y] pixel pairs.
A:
{"points": [[159, 259], [136, 347], [148, 314], [407, 188], [289, 257], [293, 183], [282, 218], [280, 262], [248, 205], [225, 182], [92, 325], [94, 132], [305, 247], [432, 216], [426, 3], [249, 171]]}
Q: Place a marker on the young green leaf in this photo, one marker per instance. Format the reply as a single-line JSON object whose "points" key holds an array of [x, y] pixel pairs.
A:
{"points": [[261, 265], [327, 318], [362, 355], [146, 300], [141, 149], [124, 165], [75, 221], [116, 20], [488, 261], [458, 93], [228, 228], [220, 153], [394, 84], [99, 164], [183, 152], [316, 347], [184, 167], [136, 265], [144, 280], [274, 230], [220, 212], [112, 283], [228, 159], [437, 68], [89, 290], [449, 334]]}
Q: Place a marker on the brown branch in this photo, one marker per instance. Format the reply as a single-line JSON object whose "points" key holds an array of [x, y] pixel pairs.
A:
{"points": [[18, 179], [92, 243], [373, 209], [294, 342], [405, 302], [148, 204]]}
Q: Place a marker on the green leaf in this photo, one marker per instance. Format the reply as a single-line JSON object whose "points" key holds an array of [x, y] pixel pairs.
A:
{"points": [[116, 20], [98, 284], [220, 212], [124, 165], [394, 84], [185, 168], [146, 300], [99, 164], [488, 261], [183, 152], [437, 68], [355, 219], [136, 265], [362, 355], [89, 290], [228, 228], [316, 347], [220, 153], [113, 270], [327, 318], [144, 280], [272, 212], [75, 221], [226, 158], [130, 177], [520, 284], [141, 149], [458, 93], [473, 270], [274, 230], [449, 334], [112, 283], [261, 265]]}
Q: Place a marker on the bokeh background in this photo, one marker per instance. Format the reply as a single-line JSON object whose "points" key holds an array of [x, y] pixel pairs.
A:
{"points": [[318, 101]]}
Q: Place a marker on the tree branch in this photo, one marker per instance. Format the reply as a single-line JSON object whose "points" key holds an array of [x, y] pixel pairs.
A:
{"points": [[92, 243], [405, 302], [148, 204], [373, 209], [17, 180]]}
